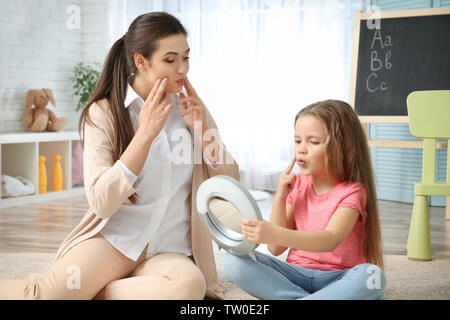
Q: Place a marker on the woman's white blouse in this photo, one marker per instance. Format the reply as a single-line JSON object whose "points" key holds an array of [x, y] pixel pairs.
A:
{"points": [[161, 216]]}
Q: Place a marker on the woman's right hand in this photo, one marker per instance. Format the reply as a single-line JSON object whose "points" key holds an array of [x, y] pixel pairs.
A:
{"points": [[286, 181], [155, 110]]}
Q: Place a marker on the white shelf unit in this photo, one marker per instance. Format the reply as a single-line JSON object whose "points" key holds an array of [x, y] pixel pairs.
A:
{"points": [[19, 156]]}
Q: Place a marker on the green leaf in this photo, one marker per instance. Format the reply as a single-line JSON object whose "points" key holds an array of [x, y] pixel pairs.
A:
{"points": [[84, 80]]}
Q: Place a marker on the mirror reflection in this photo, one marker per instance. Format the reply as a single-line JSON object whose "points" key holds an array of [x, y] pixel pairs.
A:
{"points": [[226, 213]]}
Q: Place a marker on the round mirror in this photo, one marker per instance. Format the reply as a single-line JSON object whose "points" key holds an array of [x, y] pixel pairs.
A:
{"points": [[225, 213], [221, 204]]}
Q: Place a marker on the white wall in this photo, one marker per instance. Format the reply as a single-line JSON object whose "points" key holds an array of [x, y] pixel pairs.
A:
{"points": [[39, 50], [94, 30]]}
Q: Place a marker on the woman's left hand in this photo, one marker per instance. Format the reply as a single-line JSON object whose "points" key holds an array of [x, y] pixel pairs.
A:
{"points": [[258, 231], [196, 111]]}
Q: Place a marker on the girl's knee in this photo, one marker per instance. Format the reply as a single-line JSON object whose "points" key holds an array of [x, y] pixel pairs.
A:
{"points": [[374, 280], [234, 266], [375, 276]]}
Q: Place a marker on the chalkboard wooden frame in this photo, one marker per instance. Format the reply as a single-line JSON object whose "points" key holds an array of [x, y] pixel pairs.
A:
{"points": [[360, 17]]}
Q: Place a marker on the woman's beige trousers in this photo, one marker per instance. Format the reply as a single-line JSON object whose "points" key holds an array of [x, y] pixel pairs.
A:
{"points": [[94, 269]]}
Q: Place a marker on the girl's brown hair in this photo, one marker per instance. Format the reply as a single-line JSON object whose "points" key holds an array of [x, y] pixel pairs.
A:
{"points": [[119, 70], [348, 159]]}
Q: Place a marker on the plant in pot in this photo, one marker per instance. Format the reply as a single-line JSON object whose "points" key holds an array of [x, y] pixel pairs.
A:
{"points": [[84, 80]]}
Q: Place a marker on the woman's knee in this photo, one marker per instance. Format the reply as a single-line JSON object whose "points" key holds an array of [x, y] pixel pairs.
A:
{"points": [[184, 281], [189, 286]]}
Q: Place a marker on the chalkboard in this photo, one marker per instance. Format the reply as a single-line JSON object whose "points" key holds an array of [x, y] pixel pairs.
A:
{"points": [[405, 54]]}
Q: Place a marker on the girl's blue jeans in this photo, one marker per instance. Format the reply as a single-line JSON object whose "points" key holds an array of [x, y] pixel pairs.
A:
{"points": [[272, 279]]}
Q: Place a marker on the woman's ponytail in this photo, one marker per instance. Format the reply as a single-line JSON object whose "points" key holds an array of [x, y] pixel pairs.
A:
{"points": [[118, 69], [112, 86]]}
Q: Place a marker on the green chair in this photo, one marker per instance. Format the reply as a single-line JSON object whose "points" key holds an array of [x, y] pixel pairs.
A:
{"points": [[429, 118]]}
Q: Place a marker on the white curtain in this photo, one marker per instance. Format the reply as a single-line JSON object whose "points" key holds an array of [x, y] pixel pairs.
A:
{"points": [[255, 64]]}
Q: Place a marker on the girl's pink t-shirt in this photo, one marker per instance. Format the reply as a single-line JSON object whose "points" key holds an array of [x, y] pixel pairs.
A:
{"points": [[313, 212]]}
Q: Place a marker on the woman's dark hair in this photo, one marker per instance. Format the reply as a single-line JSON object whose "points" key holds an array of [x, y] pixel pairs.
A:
{"points": [[119, 70]]}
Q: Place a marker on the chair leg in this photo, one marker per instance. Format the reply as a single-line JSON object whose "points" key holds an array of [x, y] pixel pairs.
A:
{"points": [[447, 209], [419, 245]]}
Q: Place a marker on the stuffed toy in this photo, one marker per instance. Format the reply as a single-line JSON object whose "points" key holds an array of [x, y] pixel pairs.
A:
{"points": [[39, 118], [15, 186]]}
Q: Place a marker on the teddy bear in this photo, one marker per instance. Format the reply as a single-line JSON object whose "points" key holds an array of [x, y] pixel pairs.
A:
{"points": [[39, 118]]}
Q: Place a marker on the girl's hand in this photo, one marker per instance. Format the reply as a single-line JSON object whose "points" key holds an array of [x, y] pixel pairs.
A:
{"points": [[196, 110], [155, 110], [286, 181], [258, 231]]}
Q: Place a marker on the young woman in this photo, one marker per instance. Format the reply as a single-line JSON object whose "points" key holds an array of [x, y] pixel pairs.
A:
{"points": [[327, 215], [141, 238]]}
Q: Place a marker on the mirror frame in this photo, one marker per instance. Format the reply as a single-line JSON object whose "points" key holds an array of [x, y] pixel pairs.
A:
{"points": [[228, 189]]}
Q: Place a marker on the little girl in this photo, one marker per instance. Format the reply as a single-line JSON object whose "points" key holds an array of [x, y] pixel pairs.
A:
{"points": [[327, 216]]}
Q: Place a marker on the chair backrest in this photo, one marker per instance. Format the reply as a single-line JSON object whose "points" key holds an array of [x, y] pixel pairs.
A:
{"points": [[429, 118], [429, 113]]}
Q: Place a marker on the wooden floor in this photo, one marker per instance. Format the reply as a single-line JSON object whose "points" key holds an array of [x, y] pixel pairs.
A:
{"points": [[41, 227]]}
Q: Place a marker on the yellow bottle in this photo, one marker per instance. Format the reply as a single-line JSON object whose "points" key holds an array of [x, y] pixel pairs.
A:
{"points": [[57, 173], [42, 175]]}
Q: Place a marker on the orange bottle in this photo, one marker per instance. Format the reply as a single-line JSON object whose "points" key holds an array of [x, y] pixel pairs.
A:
{"points": [[57, 173], [42, 176]]}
